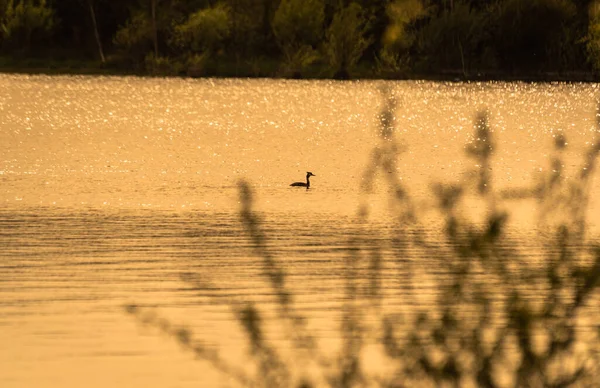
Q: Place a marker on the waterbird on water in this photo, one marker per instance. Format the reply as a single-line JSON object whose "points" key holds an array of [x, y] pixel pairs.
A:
{"points": [[302, 184]]}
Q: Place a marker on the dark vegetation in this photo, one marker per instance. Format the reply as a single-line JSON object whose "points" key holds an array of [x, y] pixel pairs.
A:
{"points": [[510, 39], [501, 318]]}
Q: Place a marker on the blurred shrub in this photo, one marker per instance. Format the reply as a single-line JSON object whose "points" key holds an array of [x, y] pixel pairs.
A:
{"points": [[498, 316]]}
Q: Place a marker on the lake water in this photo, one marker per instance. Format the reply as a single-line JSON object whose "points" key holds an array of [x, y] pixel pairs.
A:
{"points": [[111, 188]]}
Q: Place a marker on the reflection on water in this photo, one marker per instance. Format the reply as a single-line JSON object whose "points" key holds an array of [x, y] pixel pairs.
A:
{"points": [[68, 273], [123, 192]]}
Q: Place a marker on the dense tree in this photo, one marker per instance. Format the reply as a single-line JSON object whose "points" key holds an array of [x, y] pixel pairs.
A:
{"points": [[401, 36]]}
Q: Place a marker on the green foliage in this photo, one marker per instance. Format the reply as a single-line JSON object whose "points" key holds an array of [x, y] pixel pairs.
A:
{"points": [[298, 59], [161, 66], [135, 38], [250, 27], [593, 35], [299, 22], [204, 30], [399, 35], [530, 34], [402, 14], [346, 39], [503, 37], [25, 24], [196, 65], [298, 28], [392, 62], [147, 30], [453, 39]]}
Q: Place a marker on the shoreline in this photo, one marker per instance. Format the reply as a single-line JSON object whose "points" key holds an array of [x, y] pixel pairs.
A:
{"points": [[97, 69]]}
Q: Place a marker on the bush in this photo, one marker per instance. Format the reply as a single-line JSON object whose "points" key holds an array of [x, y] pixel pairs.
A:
{"points": [[161, 66], [296, 61], [196, 65], [499, 319]]}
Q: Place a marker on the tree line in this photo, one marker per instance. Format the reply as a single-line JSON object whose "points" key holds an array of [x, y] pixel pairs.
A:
{"points": [[307, 38]]}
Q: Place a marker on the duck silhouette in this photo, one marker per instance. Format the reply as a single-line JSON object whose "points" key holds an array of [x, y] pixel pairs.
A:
{"points": [[302, 184]]}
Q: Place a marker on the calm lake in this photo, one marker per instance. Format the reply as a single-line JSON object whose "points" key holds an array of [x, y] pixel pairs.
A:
{"points": [[111, 188]]}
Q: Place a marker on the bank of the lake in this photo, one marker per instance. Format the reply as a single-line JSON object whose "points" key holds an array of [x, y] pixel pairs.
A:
{"points": [[268, 68]]}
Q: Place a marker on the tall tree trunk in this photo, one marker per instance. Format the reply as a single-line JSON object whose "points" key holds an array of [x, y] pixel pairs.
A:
{"points": [[236, 40], [462, 59], [154, 29], [96, 32]]}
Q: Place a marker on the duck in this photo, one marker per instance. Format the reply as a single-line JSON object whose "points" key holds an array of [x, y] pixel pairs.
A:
{"points": [[302, 184]]}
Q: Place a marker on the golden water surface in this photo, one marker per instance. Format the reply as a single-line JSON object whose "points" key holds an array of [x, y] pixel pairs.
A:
{"points": [[111, 188]]}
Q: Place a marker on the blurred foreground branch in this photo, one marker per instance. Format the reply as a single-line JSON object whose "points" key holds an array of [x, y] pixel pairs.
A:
{"points": [[500, 316]]}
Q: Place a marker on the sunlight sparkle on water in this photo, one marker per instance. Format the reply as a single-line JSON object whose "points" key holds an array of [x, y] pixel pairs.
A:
{"points": [[84, 133]]}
